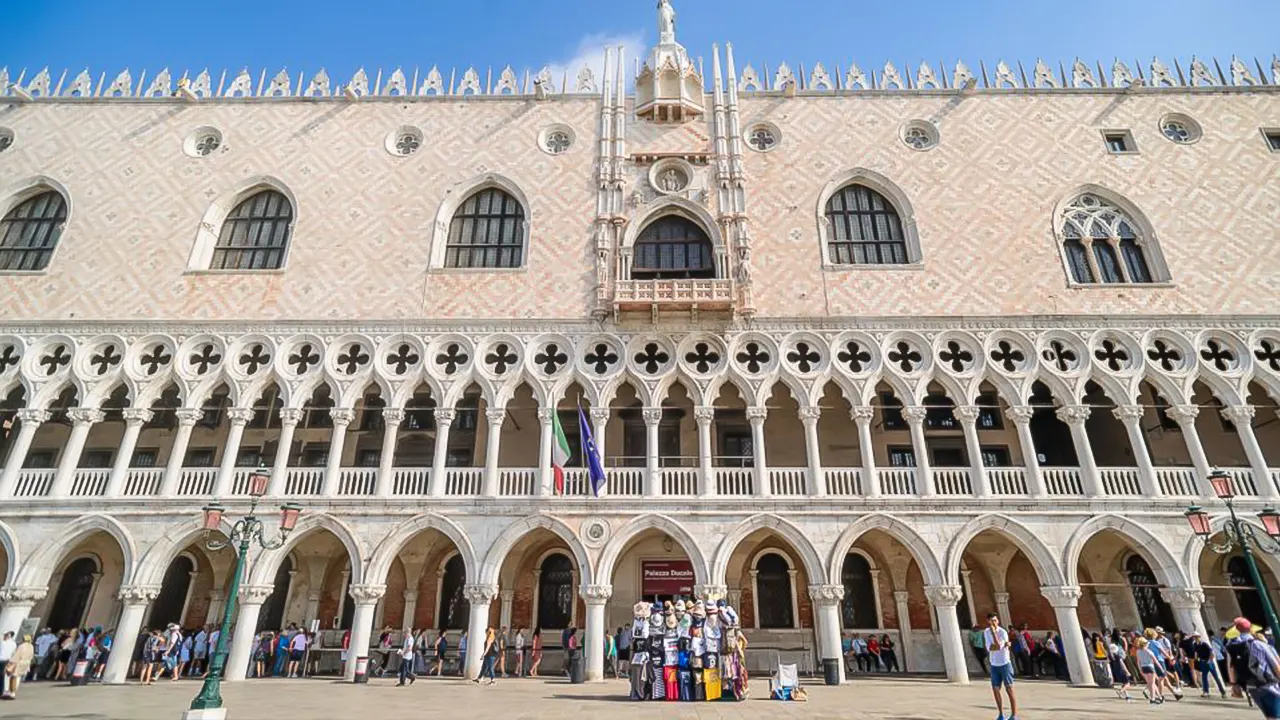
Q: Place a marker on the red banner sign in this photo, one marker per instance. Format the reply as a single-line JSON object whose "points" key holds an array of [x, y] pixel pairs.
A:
{"points": [[666, 577]]}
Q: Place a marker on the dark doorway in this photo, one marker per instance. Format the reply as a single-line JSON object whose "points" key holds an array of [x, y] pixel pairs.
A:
{"points": [[454, 606], [173, 593], [555, 593]]}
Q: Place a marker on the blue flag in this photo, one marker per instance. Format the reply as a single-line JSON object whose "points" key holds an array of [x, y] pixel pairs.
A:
{"points": [[595, 468]]}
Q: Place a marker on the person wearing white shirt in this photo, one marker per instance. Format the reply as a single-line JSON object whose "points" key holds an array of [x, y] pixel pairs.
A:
{"points": [[7, 648], [999, 656], [519, 646], [44, 644], [406, 659]]}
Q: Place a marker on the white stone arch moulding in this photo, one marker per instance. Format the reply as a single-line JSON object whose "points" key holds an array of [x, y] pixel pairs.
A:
{"points": [[18, 192], [263, 571], [633, 529], [216, 214], [491, 570], [453, 199], [921, 551], [1148, 240], [537, 585], [689, 210], [38, 568], [1041, 556], [156, 560], [753, 562], [874, 567], [1195, 547], [886, 187], [809, 558], [9, 544], [391, 545], [1140, 541]]}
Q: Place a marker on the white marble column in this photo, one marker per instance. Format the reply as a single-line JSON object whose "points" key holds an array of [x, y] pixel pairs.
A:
{"points": [[546, 436], [653, 474], [242, 633], [944, 599], [1131, 416], [506, 599], [1242, 417], [134, 419], [968, 416], [187, 419], [492, 445], [391, 419], [1003, 609], [480, 597], [239, 418], [1186, 604], [16, 603], [440, 458], [342, 418], [915, 415], [1106, 613], [826, 601], [1021, 416], [862, 416], [596, 597], [135, 600], [599, 428], [756, 416], [29, 421], [410, 609], [1211, 617], [900, 598], [1065, 599], [289, 419], [366, 598], [82, 421], [705, 415], [1185, 416], [809, 417], [1075, 417]]}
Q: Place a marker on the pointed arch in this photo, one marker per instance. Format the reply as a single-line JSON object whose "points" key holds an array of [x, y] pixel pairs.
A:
{"points": [[34, 213], [456, 197], [879, 185], [894, 527], [613, 549], [680, 207], [38, 569], [264, 569], [155, 561], [813, 566], [1143, 541], [517, 530], [679, 221], [1195, 547], [281, 206], [389, 548], [1042, 558], [9, 544], [1130, 252]]}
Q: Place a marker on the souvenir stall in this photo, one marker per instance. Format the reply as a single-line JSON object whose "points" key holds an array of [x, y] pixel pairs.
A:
{"points": [[687, 650]]}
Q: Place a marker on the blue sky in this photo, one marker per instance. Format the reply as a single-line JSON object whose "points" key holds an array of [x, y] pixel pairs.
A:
{"points": [[108, 35]]}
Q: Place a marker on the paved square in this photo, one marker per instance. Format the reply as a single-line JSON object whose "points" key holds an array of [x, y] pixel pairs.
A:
{"points": [[905, 699]]}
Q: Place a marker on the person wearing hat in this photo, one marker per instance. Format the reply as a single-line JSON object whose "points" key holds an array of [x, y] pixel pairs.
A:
{"points": [[1202, 656], [1255, 667]]}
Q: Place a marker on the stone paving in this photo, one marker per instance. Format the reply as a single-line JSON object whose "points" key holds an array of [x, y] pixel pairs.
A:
{"points": [[904, 699]]}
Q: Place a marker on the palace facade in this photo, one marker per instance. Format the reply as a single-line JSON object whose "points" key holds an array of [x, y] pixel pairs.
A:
{"points": [[865, 351]]}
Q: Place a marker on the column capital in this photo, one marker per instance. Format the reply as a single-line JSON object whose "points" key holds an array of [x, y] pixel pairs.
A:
{"points": [[1074, 415], [255, 594], [495, 416], [240, 416], [826, 594], [34, 416], [138, 594], [137, 416], [599, 414], [652, 416], [901, 596], [596, 594], [444, 415], [1020, 414], [545, 414], [290, 416], [342, 416], [1000, 597], [392, 416], [915, 414], [757, 413], [1184, 414], [86, 416], [1062, 596], [944, 595], [1128, 414], [188, 417], [711, 592], [810, 414], [967, 414], [862, 413], [1183, 598], [1239, 413], [411, 596], [704, 414], [25, 595], [480, 594], [367, 594], [507, 595]]}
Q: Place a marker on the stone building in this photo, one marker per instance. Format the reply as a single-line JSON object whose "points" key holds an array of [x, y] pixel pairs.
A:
{"points": [[865, 351]]}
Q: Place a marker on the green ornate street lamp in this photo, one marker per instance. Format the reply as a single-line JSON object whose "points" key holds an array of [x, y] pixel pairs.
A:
{"points": [[1242, 535], [245, 533]]}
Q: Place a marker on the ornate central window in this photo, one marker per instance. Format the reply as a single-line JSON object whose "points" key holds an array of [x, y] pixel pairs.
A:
{"points": [[673, 247], [865, 229], [30, 231], [1102, 244], [487, 232], [256, 234]]}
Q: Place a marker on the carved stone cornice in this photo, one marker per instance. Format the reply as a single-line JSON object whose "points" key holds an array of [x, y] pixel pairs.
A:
{"points": [[1073, 414], [944, 595], [137, 416], [367, 594], [138, 594], [24, 595], [480, 594], [1062, 596], [826, 594], [86, 416], [596, 594]]}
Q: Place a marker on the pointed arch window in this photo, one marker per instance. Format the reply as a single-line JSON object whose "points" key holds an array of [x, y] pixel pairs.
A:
{"points": [[865, 229], [1153, 611], [555, 592], [673, 247], [29, 232], [858, 608], [1102, 244], [255, 235], [487, 231], [774, 608]]}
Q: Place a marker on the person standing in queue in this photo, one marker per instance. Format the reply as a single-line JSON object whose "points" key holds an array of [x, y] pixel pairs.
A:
{"points": [[999, 657]]}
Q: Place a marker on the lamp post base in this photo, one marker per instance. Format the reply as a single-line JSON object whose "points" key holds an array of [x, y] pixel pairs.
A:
{"points": [[207, 714]]}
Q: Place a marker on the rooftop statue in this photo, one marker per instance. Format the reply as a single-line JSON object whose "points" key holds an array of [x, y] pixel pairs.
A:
{"points": [[666, 22]]}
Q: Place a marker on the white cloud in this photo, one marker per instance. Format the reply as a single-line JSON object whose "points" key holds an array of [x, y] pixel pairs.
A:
{"points": [[590, 52]]}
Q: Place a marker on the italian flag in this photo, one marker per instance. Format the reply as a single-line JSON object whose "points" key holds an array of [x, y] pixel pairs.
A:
{"points": [[560, 452]]}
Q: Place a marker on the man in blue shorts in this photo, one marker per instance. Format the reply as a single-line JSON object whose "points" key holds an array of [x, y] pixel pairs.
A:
{"points": [[999, 656]]}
